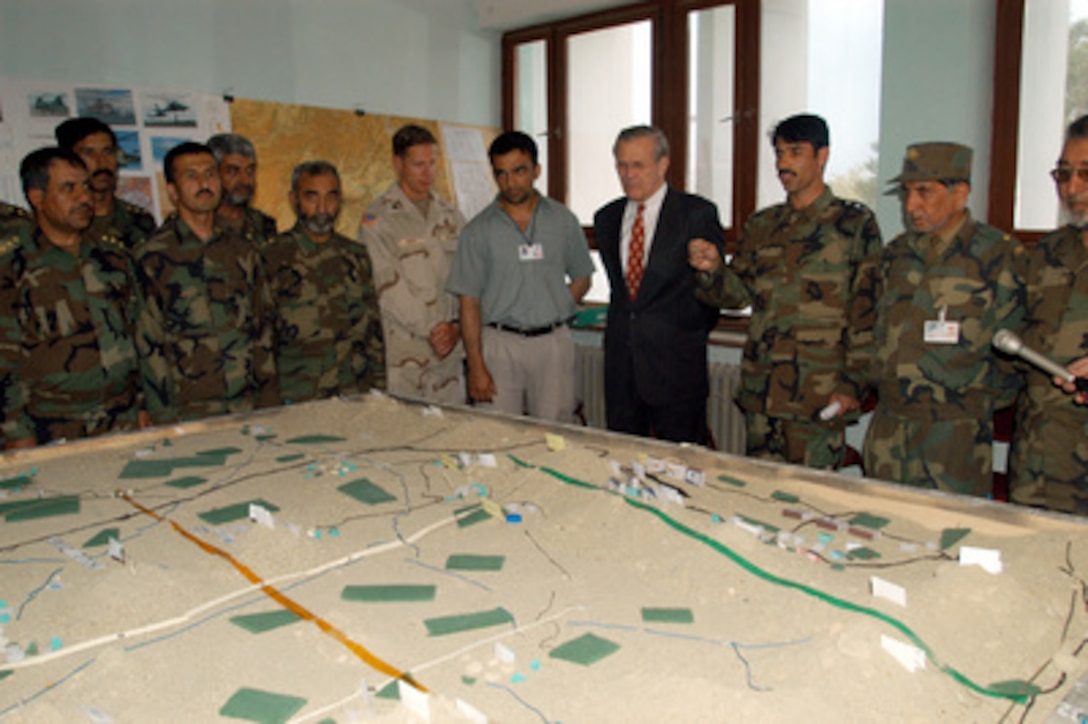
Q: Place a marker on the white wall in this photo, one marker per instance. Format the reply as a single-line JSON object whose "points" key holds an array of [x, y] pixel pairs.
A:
{"points": [[937, 86], [419, 58]]}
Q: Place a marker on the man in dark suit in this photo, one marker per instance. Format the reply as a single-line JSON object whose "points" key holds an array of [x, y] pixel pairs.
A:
{"points": [[655, 339]]}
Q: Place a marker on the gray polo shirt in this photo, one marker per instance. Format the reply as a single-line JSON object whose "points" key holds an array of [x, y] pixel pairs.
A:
{"points": [[520, 277]]}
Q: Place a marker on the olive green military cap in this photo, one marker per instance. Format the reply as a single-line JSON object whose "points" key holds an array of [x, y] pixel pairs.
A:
{"points": [[934, 161]]}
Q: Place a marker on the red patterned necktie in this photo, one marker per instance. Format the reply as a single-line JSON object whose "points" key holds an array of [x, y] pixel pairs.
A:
{"points": [[635, 253]]}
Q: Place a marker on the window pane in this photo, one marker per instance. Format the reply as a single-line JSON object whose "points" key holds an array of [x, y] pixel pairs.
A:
{"points": [[835, 53], [531, 100], [1053, 89], [711, 35], [608, 89]]}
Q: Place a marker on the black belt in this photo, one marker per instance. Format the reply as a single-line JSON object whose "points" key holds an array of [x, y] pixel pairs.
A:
{"points": [[531, 332]]}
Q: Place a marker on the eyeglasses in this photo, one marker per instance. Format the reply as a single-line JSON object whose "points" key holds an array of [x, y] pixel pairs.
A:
{"points": [[1064, 174]]}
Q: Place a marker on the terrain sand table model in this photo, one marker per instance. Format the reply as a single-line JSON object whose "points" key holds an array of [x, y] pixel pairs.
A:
{"points": [[377, 559]]}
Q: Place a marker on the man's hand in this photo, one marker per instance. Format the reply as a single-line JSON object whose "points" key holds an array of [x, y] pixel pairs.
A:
{"points": [[1078, 368], [846, 404], [444, 337], [481, 387], [704, 256]]}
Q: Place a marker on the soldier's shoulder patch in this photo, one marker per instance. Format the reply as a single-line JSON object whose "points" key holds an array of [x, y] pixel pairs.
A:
{"points": [[111, 241], [369, 219], [9, 244], [10, 211]]}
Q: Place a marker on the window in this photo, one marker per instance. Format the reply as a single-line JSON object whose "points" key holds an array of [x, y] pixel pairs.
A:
{"points": [[1040, 85], [671, 63], [834, 47], [692, 68], [608, 89]]}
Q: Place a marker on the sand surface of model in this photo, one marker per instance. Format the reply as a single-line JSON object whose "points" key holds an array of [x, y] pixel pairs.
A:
{"points": [[471, 559]]}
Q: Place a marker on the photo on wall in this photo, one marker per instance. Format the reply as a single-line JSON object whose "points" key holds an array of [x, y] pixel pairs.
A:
{"points": [[113, 107], [128, 151], [168, 109], [48, 105]]}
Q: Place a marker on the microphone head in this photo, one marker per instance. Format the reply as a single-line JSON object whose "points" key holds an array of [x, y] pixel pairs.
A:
{"points": [[1007, 341]]}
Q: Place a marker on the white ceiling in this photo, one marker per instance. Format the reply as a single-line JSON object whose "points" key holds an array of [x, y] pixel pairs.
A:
{"points": [[508, 14]]}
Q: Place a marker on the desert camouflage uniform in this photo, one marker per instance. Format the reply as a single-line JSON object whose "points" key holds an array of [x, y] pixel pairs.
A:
{"points": [[412, 257], [205, 332], [1048, 465], [128, 222], [812, 278], [255, 225], [67, 355], [933, 424], [328, 332]]}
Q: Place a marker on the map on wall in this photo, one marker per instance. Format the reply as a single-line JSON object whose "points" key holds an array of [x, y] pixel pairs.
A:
{"points": [[360, 146]]}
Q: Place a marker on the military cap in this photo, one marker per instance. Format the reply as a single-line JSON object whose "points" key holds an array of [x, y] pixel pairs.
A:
{"points": [[934, 161]]}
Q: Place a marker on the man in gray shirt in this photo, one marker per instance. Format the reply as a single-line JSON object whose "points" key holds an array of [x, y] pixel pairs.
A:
{"points": [[521, 267]]}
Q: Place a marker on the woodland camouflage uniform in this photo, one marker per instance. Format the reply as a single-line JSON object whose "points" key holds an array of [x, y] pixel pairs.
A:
{"points": [[67, 356], [328, 332], [256, 226], [129, 223], [933, 424], [205, 332], [811, 276], [1048, 465]]}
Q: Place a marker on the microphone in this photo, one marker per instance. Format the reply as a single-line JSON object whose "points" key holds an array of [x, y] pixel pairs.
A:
{"points": [[1010, 342]]}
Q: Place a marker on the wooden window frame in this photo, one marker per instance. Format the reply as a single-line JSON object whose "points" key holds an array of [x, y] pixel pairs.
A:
{"points": [[669, 88]]}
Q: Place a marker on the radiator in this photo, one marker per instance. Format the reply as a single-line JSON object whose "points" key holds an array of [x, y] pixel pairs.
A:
{"points": [[725, 419]]}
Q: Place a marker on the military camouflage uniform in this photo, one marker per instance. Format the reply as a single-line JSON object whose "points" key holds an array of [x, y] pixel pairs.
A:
{"points": [[67, 356], [412, 257], [10, 214], [933, 424], [255, 225], [328, 333], [128, 222], [812, 278], [1048, 465], [15, 227], [205, 333]]}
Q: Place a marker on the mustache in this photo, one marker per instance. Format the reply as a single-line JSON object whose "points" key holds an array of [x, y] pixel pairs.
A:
{"points": [[103, 172], [786, 172], [205, 191]]}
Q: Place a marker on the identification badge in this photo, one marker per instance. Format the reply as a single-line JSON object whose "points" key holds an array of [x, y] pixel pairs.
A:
{"points": [[940, 330], [530, 252]]}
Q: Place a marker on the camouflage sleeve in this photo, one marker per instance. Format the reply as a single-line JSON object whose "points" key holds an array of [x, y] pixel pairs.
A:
{"points": [[402, 305], [865, 288], [133, 309], [372, 336], [726, 288], [155, 378], [16, 424], [264, 354], [1010, 313], [145, 222], [269, 225]]}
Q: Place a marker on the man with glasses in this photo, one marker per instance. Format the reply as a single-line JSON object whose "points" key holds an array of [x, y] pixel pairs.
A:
{"points": [[95, 143], [1048, 464], [950, 282]]}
